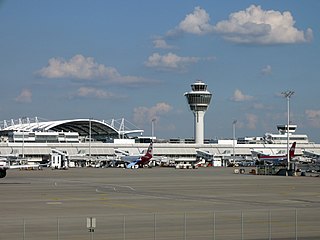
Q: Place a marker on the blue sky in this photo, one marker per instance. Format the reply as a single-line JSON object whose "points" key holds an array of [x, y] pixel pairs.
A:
{"points": [[136, 59]]}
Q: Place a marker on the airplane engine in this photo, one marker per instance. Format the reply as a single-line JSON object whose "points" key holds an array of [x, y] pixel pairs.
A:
{"points": [[135, 166], [3, 173]]}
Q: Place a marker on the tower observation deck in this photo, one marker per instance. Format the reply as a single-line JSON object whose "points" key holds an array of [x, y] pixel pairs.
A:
{"points": [[199, 100]]}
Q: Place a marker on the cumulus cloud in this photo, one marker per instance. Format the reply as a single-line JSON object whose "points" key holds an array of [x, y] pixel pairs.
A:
{"points": [[161, 43], [85, 68], [143, 115], [25, 96], [260, 106], [238, 96], [313, 117], [313, 113], [196, 22], [252, 120], [169, 61], [90, 92], [258, 26], [78, 67], [267, 70]]}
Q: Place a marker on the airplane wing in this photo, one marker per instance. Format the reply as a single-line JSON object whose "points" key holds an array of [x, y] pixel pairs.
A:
{"points": [[121, 152], [133, 164], [5, 167], [257, 153], [204, 154], [26, 166], [310, 153]]}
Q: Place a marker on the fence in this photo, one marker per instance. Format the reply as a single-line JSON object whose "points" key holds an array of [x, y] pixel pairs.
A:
{"points": [[257, 224]]}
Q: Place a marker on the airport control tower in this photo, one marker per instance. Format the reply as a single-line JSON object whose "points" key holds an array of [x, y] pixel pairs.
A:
{"points": [[198, 99]]}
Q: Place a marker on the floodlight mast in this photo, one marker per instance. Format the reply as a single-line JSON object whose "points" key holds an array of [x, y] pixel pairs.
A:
{"points": [[287, 95], [234, 138]]}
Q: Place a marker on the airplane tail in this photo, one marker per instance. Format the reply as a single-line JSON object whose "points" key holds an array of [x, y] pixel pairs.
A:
{"points": [[292, 149], [149, 151], [146, 158]]}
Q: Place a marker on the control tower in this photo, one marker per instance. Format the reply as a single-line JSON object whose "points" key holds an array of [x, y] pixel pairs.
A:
{"points": [[198, 99]]}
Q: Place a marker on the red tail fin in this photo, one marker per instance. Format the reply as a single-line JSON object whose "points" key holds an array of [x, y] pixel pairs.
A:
{"points": [[292, 149], [146, 158], [149, 151]]}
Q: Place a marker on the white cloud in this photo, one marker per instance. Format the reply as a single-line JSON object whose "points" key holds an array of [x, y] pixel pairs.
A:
{"points": [[267, 70], [313, 117], [161, 44], [86, 68], [78, 67], [91, 92], [143, 115], [238, 96], [196, 22], [258, 26], [313, 113], [252, 120], [170, 61], [260, 106], [25, 96]]}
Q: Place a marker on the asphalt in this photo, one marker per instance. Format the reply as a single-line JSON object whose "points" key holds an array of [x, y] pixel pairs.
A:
{"points": [[204, 203]]}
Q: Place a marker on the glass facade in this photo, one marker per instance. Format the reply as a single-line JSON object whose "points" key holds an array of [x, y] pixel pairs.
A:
{"points": [[199, 87], [199, 98]]}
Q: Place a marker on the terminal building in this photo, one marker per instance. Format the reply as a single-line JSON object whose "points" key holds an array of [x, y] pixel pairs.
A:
{"points": [[91, 139], [62, 131]]}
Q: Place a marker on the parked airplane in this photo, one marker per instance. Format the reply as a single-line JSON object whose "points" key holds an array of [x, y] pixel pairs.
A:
{"points": [[131, 161], [10, 156], [315, 156], [278, 158], [5, 165]]}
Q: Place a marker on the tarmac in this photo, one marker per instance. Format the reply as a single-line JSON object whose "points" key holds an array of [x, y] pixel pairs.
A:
{"points": [[216, 202]]}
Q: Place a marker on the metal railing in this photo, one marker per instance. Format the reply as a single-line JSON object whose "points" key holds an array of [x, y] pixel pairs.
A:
{"points": [[213, 225]]}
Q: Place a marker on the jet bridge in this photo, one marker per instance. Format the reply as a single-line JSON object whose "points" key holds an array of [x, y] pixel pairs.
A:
{"points": [[59, 159]]}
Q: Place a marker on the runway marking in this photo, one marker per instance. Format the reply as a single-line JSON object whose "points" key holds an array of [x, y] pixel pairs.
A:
{"points": [[14, 183], [99, 188], [54, 203], [115, 188]]}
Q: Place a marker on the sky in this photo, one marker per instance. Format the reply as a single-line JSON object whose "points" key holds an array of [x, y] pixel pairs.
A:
{"points": [[136, 59]]}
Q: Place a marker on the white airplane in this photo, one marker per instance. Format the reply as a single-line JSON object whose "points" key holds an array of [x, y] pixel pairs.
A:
{"points": [[278, 158], [10, 156], [315, 156], [132, 161], [5, 165]]}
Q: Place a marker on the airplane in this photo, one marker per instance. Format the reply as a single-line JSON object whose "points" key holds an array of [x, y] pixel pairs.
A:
{"points": [[131, 161], [315, 156], [278, 158], [14, 155], [5, 165]]}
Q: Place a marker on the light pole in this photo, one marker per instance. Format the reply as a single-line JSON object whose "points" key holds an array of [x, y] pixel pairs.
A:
{"points": [[22, 144], [234, 137], [152, 127], [287, 95], [22, 127], [90, 139]]}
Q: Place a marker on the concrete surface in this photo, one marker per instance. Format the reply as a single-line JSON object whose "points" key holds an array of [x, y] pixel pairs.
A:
{"points": [[204, 203]]}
